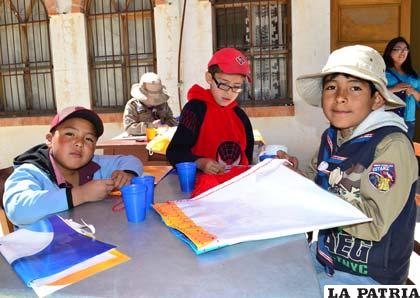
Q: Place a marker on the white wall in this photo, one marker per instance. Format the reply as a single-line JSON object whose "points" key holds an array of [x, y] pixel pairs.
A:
{"points": [[197, 44], [70, 60], [196, 47], [167, 36], [16, 139], [310, 39]]}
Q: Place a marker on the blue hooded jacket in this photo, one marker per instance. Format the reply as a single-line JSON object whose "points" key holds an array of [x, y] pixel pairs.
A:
{"points": [[32, 192]]}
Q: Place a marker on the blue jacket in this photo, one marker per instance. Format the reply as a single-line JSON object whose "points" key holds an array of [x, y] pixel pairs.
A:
{"points": [[31, 192], [394, 78]]}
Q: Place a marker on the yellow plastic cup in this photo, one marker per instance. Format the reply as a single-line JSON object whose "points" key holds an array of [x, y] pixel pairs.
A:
{"points": [[150, 133]]}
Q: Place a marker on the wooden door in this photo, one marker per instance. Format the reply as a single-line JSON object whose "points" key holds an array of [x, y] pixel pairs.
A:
{"points": [[369, 22]]}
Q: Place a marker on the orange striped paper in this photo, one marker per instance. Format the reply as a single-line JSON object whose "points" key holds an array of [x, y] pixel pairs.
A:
{"points": [[175, 218]]}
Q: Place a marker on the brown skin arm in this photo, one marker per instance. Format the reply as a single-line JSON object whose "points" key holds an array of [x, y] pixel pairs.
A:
{"points": [[209, 166], [121, 178], [94, 190], [294, 162]]}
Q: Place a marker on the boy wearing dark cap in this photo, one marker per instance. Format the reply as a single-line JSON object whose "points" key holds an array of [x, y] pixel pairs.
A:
{"points": [[213, 130], [64, 172]]}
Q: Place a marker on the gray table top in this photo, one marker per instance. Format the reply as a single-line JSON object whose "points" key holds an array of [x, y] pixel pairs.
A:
{"points": [[161, 265]]}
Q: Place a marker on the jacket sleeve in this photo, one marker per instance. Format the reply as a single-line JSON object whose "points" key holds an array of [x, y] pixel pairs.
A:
{"points": [[30, 195], [165, 115], [392, 81], [249, 150], [312, 170], [136, 118], [185, 137], [110, 163], [385, 205]]}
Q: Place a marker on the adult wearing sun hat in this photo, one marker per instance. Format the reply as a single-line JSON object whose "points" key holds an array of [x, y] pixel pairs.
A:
{"points": [[148, 107], [366, 159]]}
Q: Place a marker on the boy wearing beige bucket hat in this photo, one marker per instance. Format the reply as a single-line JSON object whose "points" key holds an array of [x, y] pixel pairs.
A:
{"points": [[366, 158], [148, 107]]}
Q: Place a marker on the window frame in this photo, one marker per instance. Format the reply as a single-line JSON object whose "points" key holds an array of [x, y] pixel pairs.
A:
{"points": [[251, 54], [122, 60], [27, 68]]}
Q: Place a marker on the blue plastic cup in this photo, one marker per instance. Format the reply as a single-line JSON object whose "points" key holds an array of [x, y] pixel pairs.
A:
{"points": [[149, 182], [186, 174], [134, 197]]}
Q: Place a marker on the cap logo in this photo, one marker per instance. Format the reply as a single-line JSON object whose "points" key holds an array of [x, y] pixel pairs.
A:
{"points": [[240, 60]]}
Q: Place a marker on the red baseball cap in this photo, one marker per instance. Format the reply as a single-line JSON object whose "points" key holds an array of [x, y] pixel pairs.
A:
{"points": [[231, 61], [78, 112]]}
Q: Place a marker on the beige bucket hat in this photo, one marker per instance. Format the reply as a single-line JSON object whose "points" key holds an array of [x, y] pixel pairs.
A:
{"points": [[150, 91], [358, 61]]}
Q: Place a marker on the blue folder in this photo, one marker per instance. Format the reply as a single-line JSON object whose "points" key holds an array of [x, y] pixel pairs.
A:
{"points": [[67, 248]]}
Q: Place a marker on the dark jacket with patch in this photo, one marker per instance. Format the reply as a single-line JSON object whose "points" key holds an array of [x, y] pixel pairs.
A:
{"points": [[387, 260]]}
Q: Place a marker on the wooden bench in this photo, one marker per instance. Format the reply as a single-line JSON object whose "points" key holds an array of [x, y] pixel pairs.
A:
{"points": [[6, 225]]}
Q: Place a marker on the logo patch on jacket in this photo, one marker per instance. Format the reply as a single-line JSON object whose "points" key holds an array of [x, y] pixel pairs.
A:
{"points": [[382, 176]]}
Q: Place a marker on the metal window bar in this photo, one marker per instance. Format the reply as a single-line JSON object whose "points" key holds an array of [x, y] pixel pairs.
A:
{"points": [[26, 77], [260, 29], [121, 48]]}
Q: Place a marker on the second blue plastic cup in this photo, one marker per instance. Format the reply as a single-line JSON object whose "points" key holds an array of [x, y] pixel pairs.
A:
{"points": [[186, 173], [149, 182], [134, 197]]}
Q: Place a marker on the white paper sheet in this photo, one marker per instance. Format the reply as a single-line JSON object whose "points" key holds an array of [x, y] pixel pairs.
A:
{"points": [[267, 201]]}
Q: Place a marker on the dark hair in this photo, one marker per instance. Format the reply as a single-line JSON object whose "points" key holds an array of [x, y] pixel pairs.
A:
{"points": [[333, 75], [407, 67], [213, 69]]}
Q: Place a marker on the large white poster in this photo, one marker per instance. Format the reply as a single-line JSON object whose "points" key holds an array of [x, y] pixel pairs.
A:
{"points": [[267, 201]]}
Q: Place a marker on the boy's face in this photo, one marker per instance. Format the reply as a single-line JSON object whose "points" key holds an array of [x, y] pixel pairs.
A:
{"points": [[222, 97], [72, 143], [347, 100]]}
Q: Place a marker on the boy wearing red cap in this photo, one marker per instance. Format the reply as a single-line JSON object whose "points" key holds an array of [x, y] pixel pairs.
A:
{"points": [[64, 172], [213, 130]]}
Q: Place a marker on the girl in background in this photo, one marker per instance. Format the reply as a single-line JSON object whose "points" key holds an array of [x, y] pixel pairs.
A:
{"points": [[403, 80]]}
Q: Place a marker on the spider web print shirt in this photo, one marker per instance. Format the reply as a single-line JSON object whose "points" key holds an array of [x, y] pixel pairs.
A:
{"points": [[222, 135]]}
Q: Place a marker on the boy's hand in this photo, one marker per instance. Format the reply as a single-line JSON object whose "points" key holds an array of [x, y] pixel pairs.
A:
{"points": [[157, 123], [294, 163], [209, 166], [121, 178], [292, 159], [94, 190]]}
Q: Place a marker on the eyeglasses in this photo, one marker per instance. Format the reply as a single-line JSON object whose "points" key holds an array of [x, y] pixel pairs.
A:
{"points": [[226, 87], [401, 50]]}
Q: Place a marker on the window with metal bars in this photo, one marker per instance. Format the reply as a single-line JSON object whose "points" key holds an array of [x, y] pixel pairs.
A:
{"points": [[121, 49], [26, 78], [261, 30]]}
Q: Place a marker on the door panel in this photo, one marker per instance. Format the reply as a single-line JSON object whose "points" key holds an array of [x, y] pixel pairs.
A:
{"points": [[368, 22]]}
